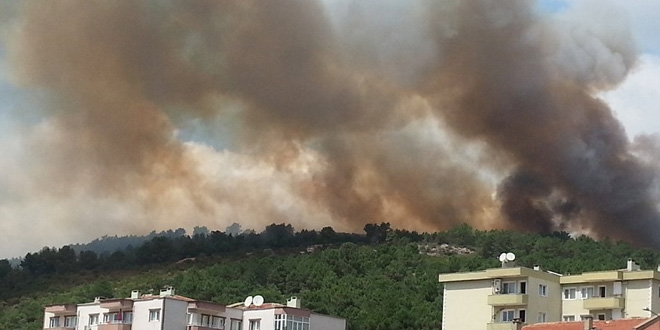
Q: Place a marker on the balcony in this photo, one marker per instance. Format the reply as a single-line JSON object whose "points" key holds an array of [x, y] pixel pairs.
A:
{"points": [[501, 326], [507, 299], [201, 327], [205, 307], [114, 326], [117, 304], [61, 309], [603, 303]]}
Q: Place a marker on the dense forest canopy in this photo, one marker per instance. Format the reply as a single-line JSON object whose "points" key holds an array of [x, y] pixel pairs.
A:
{"points": [[382, 279]]}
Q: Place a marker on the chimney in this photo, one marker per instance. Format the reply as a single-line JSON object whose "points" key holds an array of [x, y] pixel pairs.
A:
{"points": [[632, 266], [517, 324], [167, 291], [135, 294], [588, 322], [537, 267], [293, 302]]}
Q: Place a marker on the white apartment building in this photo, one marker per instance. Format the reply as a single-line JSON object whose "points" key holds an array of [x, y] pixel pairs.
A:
{"points": [[492, 299], [168, 311]]}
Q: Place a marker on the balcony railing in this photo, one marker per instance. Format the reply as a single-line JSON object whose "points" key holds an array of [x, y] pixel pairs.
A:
{"points": [[507, 299], [116, 304], [115, 326], [201, 327], [501, 326], [198, 326], [207, 307], [603, 303], [61, 309]]}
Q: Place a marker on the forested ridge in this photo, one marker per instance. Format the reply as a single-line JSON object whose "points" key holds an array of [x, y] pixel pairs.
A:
{"points": [[381, 279]]}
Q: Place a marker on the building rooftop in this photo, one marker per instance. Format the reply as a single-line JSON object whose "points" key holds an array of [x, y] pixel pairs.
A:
{"points": [[631, 272], [498, 273], [263, 306], [175, 297], [622, 324], [610, 275]]}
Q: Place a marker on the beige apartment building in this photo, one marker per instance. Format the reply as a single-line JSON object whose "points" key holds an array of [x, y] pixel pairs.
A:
{"points": [[493, 298], [611, 295]]}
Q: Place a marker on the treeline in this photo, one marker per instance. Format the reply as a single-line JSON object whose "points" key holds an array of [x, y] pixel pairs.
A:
{"points": [[177, 247], [109, 244]]}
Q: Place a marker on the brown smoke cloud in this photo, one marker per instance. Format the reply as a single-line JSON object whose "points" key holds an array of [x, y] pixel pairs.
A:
{"points": [[328, 117], [498, 81]]}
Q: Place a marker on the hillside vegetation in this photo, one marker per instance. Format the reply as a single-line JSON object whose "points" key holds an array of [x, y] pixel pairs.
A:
{"points": [[383, 279]]}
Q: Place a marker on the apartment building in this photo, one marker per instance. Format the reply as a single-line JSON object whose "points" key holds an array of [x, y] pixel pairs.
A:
{"points": [[492, 299], [287, 317], [611, 295], [168, 311]]}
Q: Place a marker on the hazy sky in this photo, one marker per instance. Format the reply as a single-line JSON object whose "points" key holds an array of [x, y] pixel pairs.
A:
{"points": [[125, 119]]}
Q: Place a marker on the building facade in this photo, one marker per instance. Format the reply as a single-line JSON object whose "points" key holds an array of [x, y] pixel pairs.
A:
{"points": [[168, 311], [611, 295], [494, 298]]}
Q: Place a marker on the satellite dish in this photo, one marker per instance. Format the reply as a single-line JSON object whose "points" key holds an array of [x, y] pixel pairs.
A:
{"points": [[510, 256], [503, 257], [258, 300], [248, 301]]}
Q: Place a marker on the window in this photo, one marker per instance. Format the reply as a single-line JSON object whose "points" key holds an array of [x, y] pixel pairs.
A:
{"points": [[290, 322], [154, 315], [601, 317], [93, 319], [568, 318], [508, 315], [569, 293], [523, 287], [280, 321], [205, 320], [70, 321], [255, 325], [541, 317], [509, 288], [217, 322], [521, 315], [543, 290], [235, 324], [587, 292], [54, 322], [110, 318], [602, 291], [127, 317]]}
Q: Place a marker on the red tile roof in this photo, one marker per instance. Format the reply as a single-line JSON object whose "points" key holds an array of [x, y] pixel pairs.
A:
{"points": [[622, 324]]}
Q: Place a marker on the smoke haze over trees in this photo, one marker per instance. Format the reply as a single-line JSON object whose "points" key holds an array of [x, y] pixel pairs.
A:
{"points": [[164, 114]]}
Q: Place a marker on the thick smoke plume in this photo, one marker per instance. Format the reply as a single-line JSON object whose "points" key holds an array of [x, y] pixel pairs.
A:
{"points": [[480, 112]]}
